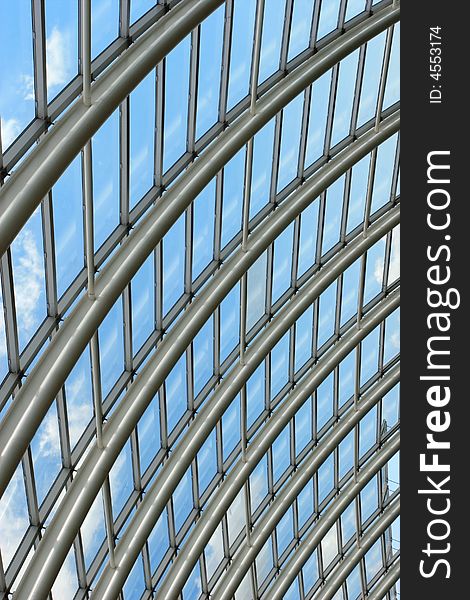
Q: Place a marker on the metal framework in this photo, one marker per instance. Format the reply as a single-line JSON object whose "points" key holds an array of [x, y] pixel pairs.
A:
{"points": [[251, 426]]}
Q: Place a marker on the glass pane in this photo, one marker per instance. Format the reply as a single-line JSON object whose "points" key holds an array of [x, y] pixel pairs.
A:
{"points": [[16, 65], [176, 102], [243, 22], [28, 278], [210, 61]]}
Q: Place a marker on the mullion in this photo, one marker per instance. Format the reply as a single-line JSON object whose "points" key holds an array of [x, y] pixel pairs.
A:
{"points": [[193, 89], [295, 253], [47, 221], [276, 156], [286, 32], [342, 14], [396, 171], [124, 18], [304, 132], [315, 22], [160, 76], [39, 57], [9, 311], [80, 562], [331, 109], [358, 89]]}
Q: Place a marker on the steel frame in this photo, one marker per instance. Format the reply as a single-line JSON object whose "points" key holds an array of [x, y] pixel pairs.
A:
{"points": [[322, 525], [339, 575], [50, 326], [44, 383], [231, 486], [68, 344], [98, 462], [122, 518], [164, 484]]}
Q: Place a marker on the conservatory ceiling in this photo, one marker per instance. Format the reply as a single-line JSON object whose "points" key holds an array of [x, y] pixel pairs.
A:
{"points": [[199, 324]]}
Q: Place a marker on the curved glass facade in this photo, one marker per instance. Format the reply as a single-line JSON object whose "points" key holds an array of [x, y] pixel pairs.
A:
{"points": [[199, 334]]}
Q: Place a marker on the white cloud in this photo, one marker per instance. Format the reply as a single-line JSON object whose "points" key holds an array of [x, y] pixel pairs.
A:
{"points": [[27, 86], [29, 277], [13, 517], [10, 130], [329, 546], [66, 583], [79, 413], [57, 58], [49, 441], [58, 62]]}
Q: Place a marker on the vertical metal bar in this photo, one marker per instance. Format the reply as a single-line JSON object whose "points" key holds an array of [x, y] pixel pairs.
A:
{"points": [[342, 14], [193, 89], [247, 505], [89, 234], [86, 50], [97, 401], [39, 54], [247, 192], [256, 55], [9, 310], [108, 516], [304, 133], [370, 188], [96, 387], [47, 222], [383, 76], [124, 161], [255, 62], [360, 292], [188, 254], [286, 32], [63, 427], [358, 89], [159, 121], [243, 423], [124, 18], [223, 96]]}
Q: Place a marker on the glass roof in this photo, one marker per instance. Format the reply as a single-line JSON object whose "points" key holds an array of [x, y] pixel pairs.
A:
{"points": [[155, 136]]}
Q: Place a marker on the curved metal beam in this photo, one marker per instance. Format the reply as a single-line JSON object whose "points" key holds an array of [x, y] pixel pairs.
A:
{"points": [[37, 174], [386, 582], [227, 492], [344, 568], [45, 381], [99, 461], [179, 461]]}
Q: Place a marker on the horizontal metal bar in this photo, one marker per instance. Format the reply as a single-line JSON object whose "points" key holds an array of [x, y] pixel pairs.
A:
{"points": [[32, 180], [45, 380], [386, 583], [128, 412]]}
